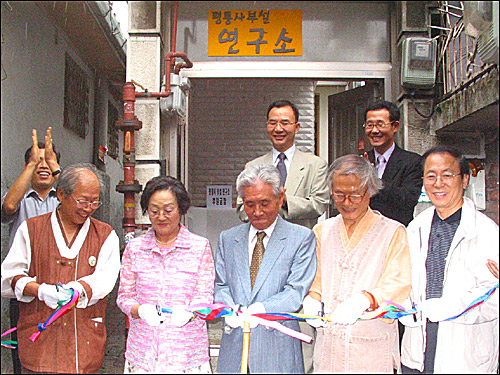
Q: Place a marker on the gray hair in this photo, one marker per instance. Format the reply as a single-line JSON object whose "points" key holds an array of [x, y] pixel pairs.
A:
{"points": [[266, 173], [358, 166], [70, 176]]}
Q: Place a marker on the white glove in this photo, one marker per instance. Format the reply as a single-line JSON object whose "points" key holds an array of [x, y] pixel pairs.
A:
{"points": [[313, 307], [82, 300], [180, 317], [52, 294], [255, 308], [151, 314], [235, 320], [351, 309], [439, 309]]}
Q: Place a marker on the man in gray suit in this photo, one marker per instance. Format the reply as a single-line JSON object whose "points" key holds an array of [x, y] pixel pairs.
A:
{"points": [[277, 284], [303, 175]]}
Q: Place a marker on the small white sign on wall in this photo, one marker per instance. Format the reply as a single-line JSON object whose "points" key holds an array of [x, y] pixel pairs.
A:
{"points": [[219, 196]]}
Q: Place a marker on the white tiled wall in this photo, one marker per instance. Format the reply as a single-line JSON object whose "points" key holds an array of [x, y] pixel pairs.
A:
{"points": [[227, 126]]}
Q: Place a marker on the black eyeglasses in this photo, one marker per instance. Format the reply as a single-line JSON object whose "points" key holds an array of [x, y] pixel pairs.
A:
{"points": [[379, 124], [283, 123]]}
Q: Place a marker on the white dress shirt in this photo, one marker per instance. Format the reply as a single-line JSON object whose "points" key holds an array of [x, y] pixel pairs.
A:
{"points": [[386, 156], [288, 160], [252, 238]]}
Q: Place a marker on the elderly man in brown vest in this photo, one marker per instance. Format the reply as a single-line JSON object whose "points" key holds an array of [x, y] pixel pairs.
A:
{"points": [[70, 248]]}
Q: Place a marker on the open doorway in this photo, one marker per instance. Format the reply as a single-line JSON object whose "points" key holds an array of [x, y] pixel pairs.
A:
{"points": [[339, 112]]}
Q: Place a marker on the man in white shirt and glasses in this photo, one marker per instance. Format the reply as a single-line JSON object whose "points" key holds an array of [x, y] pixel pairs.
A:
{"points": [[450, 245], [32, 194], [399, 169]]}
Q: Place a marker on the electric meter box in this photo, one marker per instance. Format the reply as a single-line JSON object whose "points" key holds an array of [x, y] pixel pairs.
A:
{"points": [[418, 68], [175, 103]]}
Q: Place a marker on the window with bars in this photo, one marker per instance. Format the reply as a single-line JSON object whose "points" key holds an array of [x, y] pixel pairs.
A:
{"points": [[76, 98]]}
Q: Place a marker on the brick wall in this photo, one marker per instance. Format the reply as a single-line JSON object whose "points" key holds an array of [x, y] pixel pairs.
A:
{"points": [[492, 177], [227, 126]]}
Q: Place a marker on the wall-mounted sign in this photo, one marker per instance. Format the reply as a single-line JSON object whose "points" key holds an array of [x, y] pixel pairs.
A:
{"points": [[219, 196], [268, 32]]}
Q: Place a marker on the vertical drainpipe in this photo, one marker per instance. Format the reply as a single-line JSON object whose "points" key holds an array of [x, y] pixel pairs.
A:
{"points": [[129, 186]]}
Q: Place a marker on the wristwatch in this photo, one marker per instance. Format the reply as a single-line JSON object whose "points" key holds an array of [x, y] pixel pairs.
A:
{"points": [[56, 172]]}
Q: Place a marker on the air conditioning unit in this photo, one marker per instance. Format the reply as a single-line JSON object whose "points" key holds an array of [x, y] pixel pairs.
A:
{"points": [[477, 17], [418, 68], [487, 44], [481, 22]]}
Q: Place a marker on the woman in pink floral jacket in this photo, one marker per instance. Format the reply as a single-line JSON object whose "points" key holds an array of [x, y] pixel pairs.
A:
{"points": [[167, 267]]}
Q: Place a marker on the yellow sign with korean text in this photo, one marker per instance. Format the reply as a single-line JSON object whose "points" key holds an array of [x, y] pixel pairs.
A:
{"points": [[268, 32]]}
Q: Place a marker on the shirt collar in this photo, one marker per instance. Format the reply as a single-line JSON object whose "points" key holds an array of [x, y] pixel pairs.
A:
{"points": [[182, 240], [288, 153], [268, 231], [386, 154], [455, 217], [32, 192]]}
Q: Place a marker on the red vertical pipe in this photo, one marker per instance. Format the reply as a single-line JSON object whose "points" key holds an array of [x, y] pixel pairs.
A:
{"points": [[129, 186], [129, 165], [128, 101], [173, 39]]}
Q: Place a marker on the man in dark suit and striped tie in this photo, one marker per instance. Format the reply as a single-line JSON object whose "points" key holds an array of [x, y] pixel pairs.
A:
{"points": [[400, 170]]}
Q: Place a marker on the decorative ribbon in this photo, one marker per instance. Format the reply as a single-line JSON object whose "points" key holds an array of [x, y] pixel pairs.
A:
{"points": [[219, 310], [387, 310], [61, 310], [477, 302], [9, 343], [391, 310]]}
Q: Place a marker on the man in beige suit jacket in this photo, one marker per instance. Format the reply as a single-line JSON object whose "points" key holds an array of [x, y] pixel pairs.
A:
{"points": [[306, 191], [307, 196]]}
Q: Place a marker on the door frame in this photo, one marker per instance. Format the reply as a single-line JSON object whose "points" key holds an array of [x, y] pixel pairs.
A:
{"points": [[293, 69], [337, 71]]}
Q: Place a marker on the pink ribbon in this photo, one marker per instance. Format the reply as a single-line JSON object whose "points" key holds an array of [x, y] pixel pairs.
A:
{"points": [[60, 311]]}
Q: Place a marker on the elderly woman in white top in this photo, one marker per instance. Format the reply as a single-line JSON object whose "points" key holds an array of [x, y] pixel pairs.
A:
{"points": [[363, 260]]}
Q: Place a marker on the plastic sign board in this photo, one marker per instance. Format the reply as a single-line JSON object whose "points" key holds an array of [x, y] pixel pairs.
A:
{"points": [[219, 196], [423, 197], [268, 32]]}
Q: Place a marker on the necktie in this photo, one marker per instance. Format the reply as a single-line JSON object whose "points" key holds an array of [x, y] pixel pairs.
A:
{"points": [[282, 168], [380, 165], [257, 255]]}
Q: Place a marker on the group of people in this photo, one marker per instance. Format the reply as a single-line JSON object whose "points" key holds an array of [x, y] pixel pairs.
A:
{"points": [[280, 259]]}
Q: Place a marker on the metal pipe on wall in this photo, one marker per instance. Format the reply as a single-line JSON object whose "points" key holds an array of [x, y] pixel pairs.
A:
{"points": [[130, 186]]}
